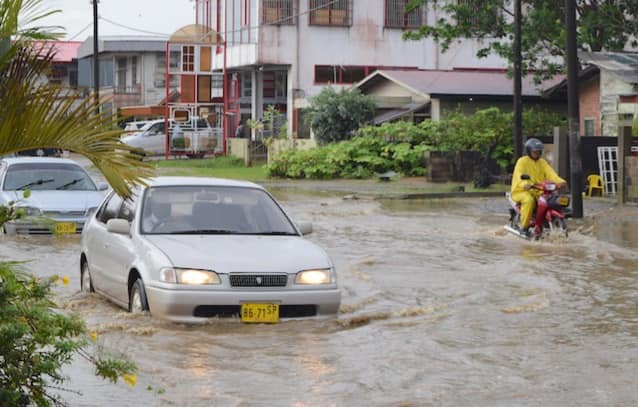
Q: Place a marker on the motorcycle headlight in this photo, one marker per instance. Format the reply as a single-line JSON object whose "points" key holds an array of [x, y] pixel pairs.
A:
{"points": [[315, 277], [550, 187], [30, 211], [188, 276]]}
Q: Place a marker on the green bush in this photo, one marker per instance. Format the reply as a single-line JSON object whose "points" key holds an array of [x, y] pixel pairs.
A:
{"points": [[36, 340], [335, 116], [360, 157]]}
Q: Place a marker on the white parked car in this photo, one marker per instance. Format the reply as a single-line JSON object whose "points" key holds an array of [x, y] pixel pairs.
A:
{"points": [[196, 138], [63, 194], [188, 248]]}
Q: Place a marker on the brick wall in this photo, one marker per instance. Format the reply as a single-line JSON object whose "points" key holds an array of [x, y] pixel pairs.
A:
{"points": [[589, 105]]}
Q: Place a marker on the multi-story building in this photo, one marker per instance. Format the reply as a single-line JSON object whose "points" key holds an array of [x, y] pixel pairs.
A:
{"points": [[132, 70], [283, 52]]}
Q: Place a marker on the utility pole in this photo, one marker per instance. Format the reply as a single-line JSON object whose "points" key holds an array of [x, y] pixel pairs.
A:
{"points": [[575, 163], [96, 66], [518, 99]]}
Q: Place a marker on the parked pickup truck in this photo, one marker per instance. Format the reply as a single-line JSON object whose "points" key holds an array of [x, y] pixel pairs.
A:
{"points": [[194, 138]]}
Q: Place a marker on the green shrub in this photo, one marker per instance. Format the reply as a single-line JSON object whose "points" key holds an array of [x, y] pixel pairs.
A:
{"points": [[335, 116], [36, 340], [361, 157]]}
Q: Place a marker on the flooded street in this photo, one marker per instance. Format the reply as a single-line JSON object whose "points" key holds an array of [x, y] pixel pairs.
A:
{"points": [[439, 307]]}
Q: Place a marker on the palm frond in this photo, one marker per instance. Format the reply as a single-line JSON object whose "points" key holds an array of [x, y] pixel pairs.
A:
{"points": [[36, 115]]}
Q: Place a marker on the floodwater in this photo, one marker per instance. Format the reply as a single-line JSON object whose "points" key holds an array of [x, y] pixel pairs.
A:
{"points": [[440, 307]]}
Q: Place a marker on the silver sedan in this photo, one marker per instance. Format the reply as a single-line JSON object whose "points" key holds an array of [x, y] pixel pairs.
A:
{"points": [[188, 248], [62, 194]]}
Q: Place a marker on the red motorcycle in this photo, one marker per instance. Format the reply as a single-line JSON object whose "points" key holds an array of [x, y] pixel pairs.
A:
{"points": [[549, 214]]}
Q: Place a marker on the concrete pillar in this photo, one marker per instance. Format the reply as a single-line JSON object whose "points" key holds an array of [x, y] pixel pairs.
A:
{"points": [[257, 100], [624, 150], [561, 152]]}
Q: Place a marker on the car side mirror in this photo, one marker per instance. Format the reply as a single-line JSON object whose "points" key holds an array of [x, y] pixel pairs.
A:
{"points": [[121, 226], [305, 227], [525, 176], [102, 186]]}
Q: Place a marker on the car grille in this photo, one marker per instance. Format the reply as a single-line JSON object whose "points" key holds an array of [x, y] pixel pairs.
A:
{"points": [[258, 280], [285, 311]]}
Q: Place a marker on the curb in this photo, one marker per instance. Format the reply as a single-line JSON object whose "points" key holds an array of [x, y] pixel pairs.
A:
{"points": [[438, 195]]}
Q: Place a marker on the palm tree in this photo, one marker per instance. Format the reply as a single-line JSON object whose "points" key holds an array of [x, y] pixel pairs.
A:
{"points": [[36, 115]]}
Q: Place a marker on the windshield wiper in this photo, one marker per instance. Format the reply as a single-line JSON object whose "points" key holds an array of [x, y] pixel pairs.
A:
{"points": [[68, 184], [38, 182], [277, 233], [203, 232]]}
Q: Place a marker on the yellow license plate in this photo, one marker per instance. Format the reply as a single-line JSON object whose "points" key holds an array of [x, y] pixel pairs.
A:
{"points": [[64, 228], [563, 200], [260, 313]]}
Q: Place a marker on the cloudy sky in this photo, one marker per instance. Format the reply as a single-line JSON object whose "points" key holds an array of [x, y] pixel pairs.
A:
{"points": [[120, 17]]}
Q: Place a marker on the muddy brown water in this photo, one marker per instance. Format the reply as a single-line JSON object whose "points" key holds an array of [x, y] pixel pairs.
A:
{"points": [[440, 307]]}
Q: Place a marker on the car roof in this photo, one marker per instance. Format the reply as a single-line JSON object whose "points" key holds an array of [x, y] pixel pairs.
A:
{"points": [[199, 181], [38, 160]]}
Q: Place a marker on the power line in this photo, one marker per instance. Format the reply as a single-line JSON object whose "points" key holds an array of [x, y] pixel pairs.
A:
{"points": [[130, 28], [81, 31]]}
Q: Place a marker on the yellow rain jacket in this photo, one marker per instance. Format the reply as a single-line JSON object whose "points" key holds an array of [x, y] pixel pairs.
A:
{"points": [[539, 171]]}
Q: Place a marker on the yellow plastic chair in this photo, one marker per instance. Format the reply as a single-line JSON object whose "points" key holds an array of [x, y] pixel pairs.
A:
{"points": [[594, 182]]}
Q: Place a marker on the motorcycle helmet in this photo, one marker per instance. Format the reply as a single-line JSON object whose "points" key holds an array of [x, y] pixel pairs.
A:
{"points": [[533, 144]]}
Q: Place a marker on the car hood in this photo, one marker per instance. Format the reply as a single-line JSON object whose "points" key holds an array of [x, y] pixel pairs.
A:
{"points": [[61, 200], [242, 253]]}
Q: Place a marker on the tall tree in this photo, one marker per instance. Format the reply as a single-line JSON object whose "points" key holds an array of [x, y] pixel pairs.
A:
{"points": [[602, 25], [35, 114]]}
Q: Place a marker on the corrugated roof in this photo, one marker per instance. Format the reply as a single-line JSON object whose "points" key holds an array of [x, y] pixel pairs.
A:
{"points": [[623, 64], [460, 82], [124, 44], [65, 51]]}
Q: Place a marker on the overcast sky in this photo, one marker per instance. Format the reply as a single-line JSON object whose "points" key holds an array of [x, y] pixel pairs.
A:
{"points": [[148, 17]]}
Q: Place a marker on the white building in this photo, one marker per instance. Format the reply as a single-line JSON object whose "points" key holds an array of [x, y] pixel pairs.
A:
{"points": [[283, 52]]}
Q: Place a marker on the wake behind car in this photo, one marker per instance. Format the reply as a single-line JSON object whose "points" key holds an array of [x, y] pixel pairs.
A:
{"points": [[63, 194], [188, 248]]}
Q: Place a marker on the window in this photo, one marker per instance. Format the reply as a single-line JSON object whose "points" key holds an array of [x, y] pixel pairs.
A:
{"points": [[330, 12], [469, 17], [589, 127], [188, 58], [160, 70], [120, 85], [269, 84], [341, 73], [278, 12], [134, 71], [397, 17], [246, 86], [281, 84]]}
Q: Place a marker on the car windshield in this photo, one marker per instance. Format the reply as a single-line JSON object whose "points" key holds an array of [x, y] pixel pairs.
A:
{"points": [[201, 210], [47, 177]]}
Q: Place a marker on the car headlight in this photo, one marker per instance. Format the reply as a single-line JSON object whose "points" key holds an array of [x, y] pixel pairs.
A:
{"points": [[315, 277], [188, 276], [30, 211]]}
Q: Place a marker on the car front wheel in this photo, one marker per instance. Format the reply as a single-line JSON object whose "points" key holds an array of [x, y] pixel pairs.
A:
{"points": [[86, 285], [137, 299]]}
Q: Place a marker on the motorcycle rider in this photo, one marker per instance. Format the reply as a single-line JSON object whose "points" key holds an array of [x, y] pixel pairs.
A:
{"points": [[538, 170]]}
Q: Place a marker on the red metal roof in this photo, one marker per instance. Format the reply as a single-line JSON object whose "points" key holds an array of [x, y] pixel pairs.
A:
{"points": [[65, 51], [466, 82]]}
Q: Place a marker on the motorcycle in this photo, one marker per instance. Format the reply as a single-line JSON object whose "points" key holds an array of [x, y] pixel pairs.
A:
{"points": [[550, 213]]}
